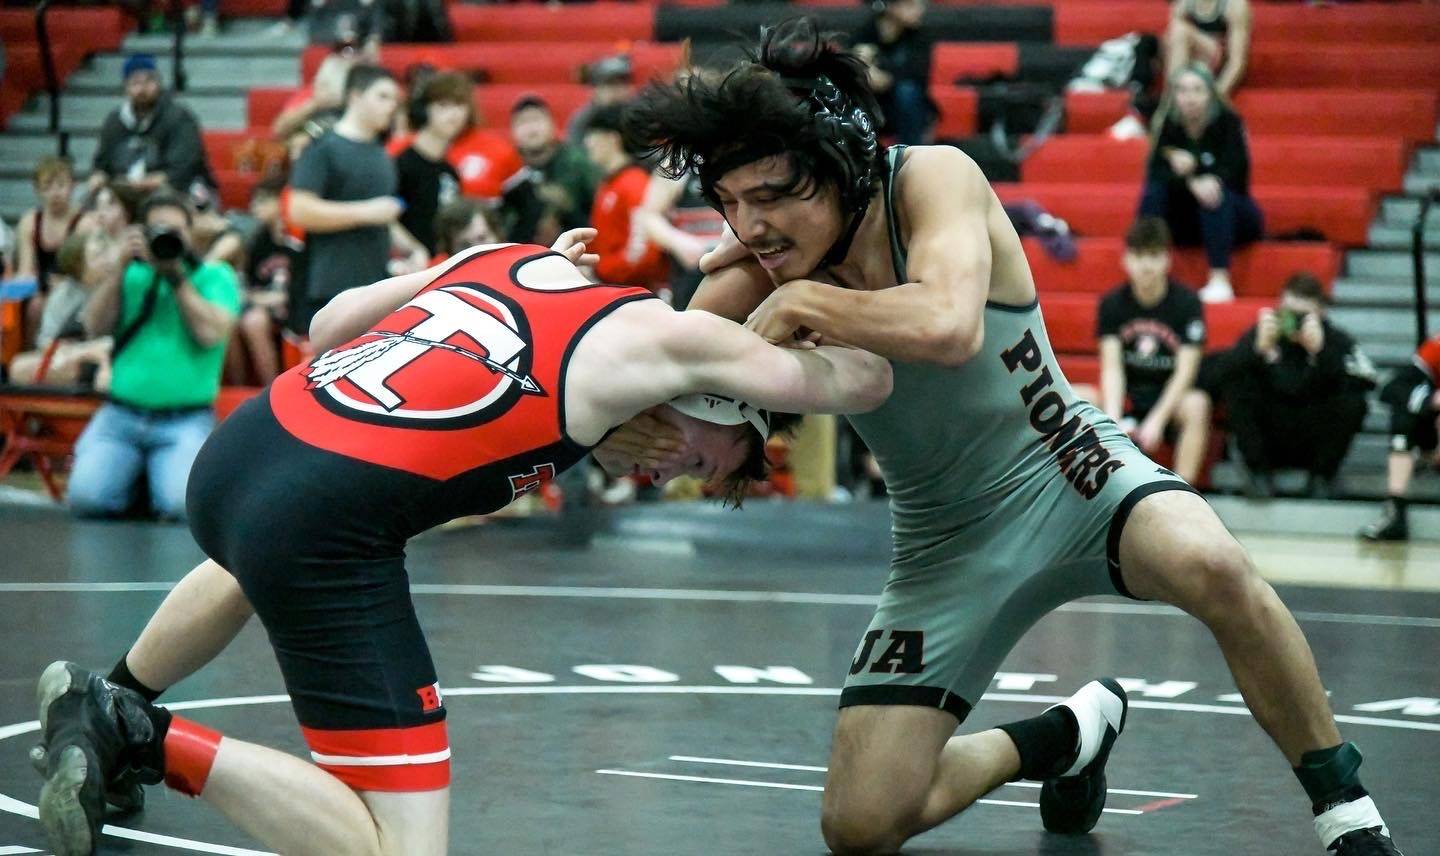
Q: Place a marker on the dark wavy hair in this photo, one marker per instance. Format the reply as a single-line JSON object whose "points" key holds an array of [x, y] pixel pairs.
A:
{"points": [[711, 124]]}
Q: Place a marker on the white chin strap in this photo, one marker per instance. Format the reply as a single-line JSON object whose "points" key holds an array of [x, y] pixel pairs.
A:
{"points": [[722, 410]]}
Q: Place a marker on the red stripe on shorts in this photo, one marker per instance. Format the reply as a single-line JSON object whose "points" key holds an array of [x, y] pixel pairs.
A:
{"points": [[384, 759]]}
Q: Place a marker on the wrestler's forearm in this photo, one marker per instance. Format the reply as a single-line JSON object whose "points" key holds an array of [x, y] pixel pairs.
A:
{"points": [[902, 323]]}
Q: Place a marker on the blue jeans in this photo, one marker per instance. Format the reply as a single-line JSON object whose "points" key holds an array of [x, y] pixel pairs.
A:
{"points": [[907, 112], [1236, 221], [121, 443]]}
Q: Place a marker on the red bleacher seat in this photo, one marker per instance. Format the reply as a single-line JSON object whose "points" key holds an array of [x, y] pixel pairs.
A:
{"points": [[952, 60], [253, 8], [1089, 22], [1341, 214], [232, 397], [1080, 368], [517, 62], [74, 33], [958, 106], [1379, 66], [553, 23], [1070, 321], [1377, 163], [220, 146], [1409, 113], [492, 102], [1259, 270], [235, 187]]}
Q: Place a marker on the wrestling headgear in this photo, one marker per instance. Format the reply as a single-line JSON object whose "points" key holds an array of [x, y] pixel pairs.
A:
{"points": [[722, 410]]}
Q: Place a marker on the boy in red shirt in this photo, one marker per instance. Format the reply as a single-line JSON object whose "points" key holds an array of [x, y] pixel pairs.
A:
{"points": [[623, 260]]}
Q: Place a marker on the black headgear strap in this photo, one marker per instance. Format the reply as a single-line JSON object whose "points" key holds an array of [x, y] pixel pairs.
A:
{"points": [[848, 134]]}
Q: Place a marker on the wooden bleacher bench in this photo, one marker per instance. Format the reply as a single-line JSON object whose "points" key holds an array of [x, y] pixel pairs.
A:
{"points": [[42, 423]]}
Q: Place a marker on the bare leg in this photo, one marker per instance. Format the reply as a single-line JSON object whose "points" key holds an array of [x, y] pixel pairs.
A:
{"points": [[193, 625], [1176, 550], [259, 334], [1193, 416], [297, 808], [897, 771], [1399, 468]]}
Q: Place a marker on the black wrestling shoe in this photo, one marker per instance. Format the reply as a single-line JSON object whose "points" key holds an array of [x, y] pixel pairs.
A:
{"points": [[1364, 842], [1392, 525], [1072, 802], [126, 795], [93, 731]]}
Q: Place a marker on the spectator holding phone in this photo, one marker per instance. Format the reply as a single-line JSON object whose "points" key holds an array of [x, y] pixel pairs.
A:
{"points": [[1294, 386]]}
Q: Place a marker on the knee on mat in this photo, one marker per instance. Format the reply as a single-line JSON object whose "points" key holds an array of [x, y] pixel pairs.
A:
{"points": [[862, 831]]}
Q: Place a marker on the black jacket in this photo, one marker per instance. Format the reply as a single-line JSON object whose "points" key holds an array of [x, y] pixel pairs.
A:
{"points": [[168, 141], [1340, 367], [1221, 151]]}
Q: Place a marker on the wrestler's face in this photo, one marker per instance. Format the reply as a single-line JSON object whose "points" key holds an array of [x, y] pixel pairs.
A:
{"points": [[788, 229], [711, 451]]}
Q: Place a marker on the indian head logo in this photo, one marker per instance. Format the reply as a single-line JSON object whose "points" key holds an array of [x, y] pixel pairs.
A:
{"points": [[454, 357]]}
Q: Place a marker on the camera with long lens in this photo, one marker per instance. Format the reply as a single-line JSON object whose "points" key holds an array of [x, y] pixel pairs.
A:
{"points": [[165, 242]]}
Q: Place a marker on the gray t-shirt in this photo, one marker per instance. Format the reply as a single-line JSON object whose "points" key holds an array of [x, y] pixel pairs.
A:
{"points": [[338, 169]]}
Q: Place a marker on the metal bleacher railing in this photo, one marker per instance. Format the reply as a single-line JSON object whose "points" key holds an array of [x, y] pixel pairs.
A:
{"points": [[52, 80], [177, 53], [1417, 253]]}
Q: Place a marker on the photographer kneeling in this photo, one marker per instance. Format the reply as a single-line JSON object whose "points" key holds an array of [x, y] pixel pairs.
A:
{"points": [[170, 318], [1295, 388]]}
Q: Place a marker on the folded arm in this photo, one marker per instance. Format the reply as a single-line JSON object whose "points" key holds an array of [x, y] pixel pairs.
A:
{"points": [[713, 355]]}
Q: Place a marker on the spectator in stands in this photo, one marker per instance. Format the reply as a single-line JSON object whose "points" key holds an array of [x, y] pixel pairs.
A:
{"points": [[81, 266], [1294, 386], [343, 195], [894, 44], [294, 11], [272, 259], [485, 159], [610, 81], [322, 102], [555, 189], [112, 211], [677, 217], [1152, 335], [621, 191], [415, 21], [1198, 179], [461, 224], [43, 229], [1413, 395], [170, 317], [1213, 33], [440, 109], [216, 235], [150, 140]]}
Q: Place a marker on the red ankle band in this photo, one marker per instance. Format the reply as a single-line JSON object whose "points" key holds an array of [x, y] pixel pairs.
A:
{"points": [[190, 750]]}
